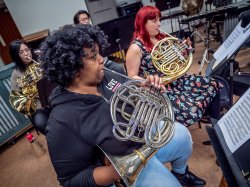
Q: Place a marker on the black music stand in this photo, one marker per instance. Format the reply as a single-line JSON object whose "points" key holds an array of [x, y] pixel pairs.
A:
{"points": [[171, 21], [163, 5], [229, 58], [233, 165], [221, 157]]}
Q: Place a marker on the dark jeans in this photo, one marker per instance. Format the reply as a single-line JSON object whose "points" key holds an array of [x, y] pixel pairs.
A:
{"points": [[214, 108], [40, 118]]}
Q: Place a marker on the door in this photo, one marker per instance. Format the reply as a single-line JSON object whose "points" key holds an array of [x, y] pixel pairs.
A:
{"points": [[8, 33]]}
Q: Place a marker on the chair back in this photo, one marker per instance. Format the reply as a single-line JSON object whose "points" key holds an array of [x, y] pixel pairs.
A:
{"points": [[40, 118], [45, 87]]}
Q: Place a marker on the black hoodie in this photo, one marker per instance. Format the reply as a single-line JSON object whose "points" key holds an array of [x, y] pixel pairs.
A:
{"points": [[77, 123]]}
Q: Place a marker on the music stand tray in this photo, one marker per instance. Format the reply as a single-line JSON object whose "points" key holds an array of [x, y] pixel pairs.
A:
{"points": [[233, 163]]}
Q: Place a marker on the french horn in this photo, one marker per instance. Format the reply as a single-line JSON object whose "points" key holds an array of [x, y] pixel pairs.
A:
{"points": [[24, 100], [148, 118], [171, 58]]}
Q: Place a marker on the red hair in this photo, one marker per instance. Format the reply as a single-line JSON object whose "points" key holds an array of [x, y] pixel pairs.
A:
{"points": [[143, 15]]}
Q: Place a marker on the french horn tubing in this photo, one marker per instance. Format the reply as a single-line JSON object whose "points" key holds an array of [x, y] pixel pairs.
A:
{"points": [[171, 58], [148, 117], [24, 100]]}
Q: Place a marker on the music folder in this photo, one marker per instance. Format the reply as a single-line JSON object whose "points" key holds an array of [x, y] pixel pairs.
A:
{"points": [[233, 132]]}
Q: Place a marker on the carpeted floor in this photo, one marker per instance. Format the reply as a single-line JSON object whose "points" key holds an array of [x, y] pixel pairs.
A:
{"points": [[21, 167]]}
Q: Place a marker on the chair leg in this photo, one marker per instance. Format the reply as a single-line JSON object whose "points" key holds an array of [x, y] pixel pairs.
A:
{"points": [[32, 121], [199, 122]]}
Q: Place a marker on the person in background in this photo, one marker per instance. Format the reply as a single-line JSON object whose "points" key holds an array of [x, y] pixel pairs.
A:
{"points": [[22, 55], [81, 17], [190, 95], [80, 116]]}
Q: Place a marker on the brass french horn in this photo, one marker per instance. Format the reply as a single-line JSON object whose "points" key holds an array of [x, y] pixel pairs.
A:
{"points": [[148, 118], [24, 100], [171, 58]]}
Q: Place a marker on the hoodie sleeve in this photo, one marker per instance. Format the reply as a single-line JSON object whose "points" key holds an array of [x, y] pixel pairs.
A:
{"points": [[82, 179], [73, 159]]}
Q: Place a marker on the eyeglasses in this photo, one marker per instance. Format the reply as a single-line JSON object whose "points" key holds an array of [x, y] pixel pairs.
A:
{"points": [[21, 52], [84, 19]]}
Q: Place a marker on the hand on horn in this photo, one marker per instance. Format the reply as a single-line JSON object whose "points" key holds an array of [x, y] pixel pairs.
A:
{"points": [[188, 43], [155, 81]]}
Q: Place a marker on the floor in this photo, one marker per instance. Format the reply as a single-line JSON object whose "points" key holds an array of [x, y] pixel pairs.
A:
{"points": [[24, 164]]}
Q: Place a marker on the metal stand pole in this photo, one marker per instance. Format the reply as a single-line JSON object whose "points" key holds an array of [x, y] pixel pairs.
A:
{"points": [[171, 22], [231, 75]]}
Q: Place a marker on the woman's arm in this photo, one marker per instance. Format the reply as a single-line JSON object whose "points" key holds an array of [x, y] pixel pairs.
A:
{"points": [[105, 175], [13, 81], [133, 61]]}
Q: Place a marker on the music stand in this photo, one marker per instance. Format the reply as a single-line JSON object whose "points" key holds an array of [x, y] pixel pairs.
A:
{"points": [[221, 157], [229, 49], [231, 46], [163, 5]]}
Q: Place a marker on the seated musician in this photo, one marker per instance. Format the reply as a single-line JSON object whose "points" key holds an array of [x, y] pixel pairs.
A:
{"points": [[80, 118], [23, 84], [190, 94]]}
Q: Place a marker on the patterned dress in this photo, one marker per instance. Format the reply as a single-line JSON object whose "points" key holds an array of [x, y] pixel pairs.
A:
{"points": [[190, 95]]}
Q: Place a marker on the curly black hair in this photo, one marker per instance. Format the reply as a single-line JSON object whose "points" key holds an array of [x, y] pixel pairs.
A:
{"points": [[63, 51]]}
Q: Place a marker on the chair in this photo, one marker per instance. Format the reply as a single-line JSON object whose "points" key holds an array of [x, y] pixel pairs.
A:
{"points": [[45, 87], [224, 101], [40, 118]]}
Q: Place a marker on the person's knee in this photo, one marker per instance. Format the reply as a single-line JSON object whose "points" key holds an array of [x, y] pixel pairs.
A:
{"points": [[40, 120], [156, 174], [183, 138]]}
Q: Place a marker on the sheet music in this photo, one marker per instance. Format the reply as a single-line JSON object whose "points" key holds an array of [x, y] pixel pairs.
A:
{"points": [[235, 124], [235, 40]]}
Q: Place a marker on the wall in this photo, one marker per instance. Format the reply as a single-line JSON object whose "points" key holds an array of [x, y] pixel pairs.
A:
{"points": [[1, 62], [32, 16]]}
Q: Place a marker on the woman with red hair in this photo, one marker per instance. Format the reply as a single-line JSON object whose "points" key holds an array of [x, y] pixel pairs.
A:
{"points": [[190, 95]]}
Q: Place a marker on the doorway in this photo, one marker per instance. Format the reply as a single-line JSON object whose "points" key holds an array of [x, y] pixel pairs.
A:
{"points": [[8, 33]]}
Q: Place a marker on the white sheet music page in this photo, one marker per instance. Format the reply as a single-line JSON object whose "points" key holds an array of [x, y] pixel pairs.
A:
{"points": [[235, 124], [235, 40]]}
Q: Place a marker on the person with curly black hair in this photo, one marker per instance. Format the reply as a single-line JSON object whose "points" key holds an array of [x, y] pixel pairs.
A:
{"points": [[80, 121]]}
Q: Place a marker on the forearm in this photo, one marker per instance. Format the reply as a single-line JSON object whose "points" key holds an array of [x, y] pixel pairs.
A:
{"points": [[137, 77], [105, 175]]}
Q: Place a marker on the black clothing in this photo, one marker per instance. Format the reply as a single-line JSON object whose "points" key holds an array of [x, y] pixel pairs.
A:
{"points": [[189, 179], [114, 66], [77, 123], [39, 119]]}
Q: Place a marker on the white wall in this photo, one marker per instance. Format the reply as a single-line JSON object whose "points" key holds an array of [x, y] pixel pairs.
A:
{"points": [[32, 16]]}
